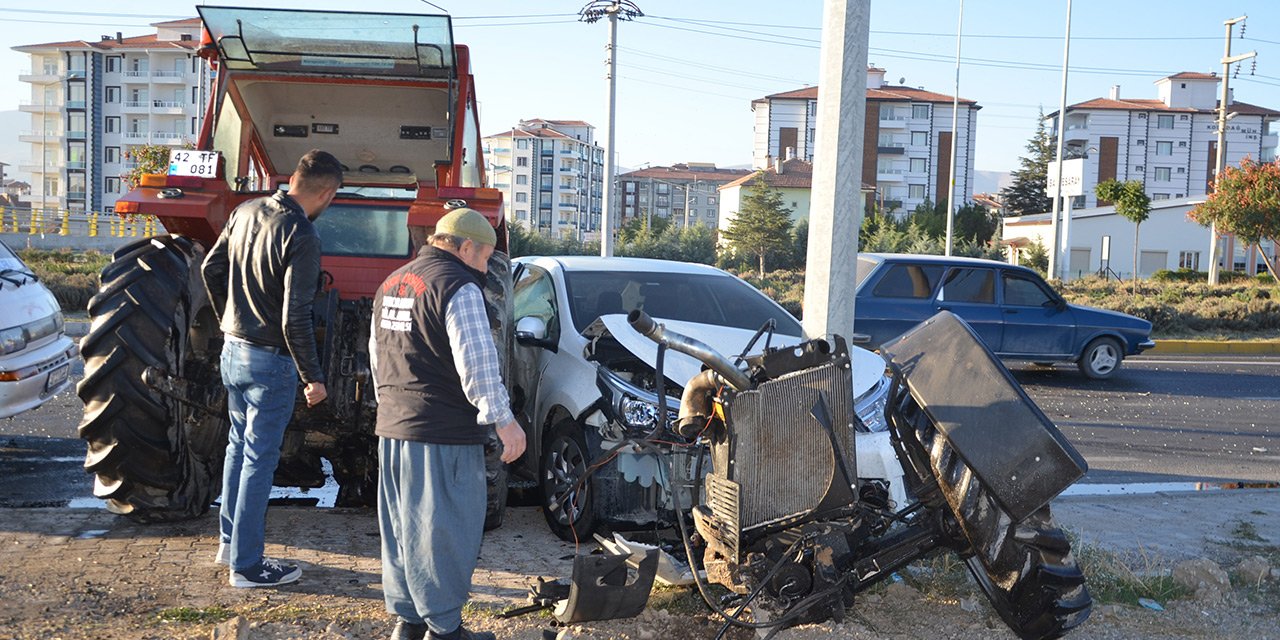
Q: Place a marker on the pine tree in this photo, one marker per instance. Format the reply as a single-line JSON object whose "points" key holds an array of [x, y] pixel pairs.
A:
{"points": [[762, 223], [1026, 194]]}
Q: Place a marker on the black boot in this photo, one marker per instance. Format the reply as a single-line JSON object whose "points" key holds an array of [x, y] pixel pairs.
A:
{"points": [[409, 631], [461, 633]]}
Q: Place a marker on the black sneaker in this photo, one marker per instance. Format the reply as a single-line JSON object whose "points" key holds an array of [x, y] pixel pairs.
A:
{"points": [[267, 573]]}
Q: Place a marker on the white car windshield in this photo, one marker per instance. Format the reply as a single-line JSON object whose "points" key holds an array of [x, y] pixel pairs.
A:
{"points": [[708, 299]]}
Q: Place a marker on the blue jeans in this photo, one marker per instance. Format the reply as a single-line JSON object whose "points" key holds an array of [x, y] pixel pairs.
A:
{"points": [[261, 388], [431, 503]]}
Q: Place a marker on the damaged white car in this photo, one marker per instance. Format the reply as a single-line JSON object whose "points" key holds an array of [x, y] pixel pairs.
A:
{"points": [[583, 382]]}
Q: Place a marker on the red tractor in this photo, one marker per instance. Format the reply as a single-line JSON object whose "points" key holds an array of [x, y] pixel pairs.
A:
{"points": [[393, 98]]}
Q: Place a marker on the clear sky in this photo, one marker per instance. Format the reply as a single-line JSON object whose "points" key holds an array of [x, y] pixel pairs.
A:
{"points": [[689, 69]]}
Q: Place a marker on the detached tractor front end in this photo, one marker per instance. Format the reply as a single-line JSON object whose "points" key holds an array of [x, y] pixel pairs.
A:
{"points": [[392, 97]]}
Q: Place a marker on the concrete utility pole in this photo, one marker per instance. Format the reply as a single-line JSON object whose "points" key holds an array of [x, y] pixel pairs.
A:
{"points": [[614, 10], [1221, 161], [955, 135], [1062, 132], [835, 209]]}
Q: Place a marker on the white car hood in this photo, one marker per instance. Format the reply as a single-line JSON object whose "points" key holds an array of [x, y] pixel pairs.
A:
{"points": [[868, 367]]}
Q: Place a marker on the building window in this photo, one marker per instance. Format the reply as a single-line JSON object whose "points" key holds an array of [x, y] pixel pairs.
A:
{"points": [[813, 108], [920, 111], [1159, 196], [113, 64], [919, 165], [711, 200], [1164, 121], [112, 124], [193, 126], [662, 188], [1189, 260], [547, 165], [111, 155], [111, 185], [522, 214], [522, 162], [1182, 169], [1140, 169], [195, 95], [915, 192], [522, 143], [112, 95], [1164, 148], [919, 138], [1140, 142], [1163, 174], [522, 197], [693, 200], [522, 179]]}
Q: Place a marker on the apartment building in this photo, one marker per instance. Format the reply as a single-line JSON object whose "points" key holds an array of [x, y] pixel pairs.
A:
{"points": [[92, 101], [552, 175], [1169, 143], [684, 193], [910, 160]]}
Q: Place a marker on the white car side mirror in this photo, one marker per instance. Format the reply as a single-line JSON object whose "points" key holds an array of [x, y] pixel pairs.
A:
{"points": [[530, 330]]}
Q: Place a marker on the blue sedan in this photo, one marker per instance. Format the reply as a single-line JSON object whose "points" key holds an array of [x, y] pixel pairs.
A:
{"points": [[1015, 312]]}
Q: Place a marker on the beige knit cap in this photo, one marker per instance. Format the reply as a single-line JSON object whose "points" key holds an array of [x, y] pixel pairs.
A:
{"points": [[469, 224]]}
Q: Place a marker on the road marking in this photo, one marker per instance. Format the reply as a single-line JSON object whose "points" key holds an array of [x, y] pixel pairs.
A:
{"points": [[1255, 363]]}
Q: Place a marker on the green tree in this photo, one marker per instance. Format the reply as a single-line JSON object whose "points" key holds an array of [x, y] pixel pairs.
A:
{"points": [[1026, 194], [149, 158], [1131, 201], [762, 224], [1245, 203]]}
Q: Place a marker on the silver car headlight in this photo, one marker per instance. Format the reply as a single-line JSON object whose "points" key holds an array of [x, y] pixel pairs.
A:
{"points": [[13, 339], [870, 406], [634, 407]]}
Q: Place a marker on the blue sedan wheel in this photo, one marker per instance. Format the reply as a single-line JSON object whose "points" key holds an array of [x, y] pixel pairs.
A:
{"points": [[1101, 358]]}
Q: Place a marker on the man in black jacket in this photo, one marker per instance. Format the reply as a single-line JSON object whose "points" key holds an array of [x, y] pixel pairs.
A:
{"points": [[262, 276]]}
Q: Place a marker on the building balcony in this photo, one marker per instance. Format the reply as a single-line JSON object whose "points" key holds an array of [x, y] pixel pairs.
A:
{"points": [[36, 167], [891, 149], [41, 201], [892, 121], [75, 165], [566, 169], [168, 76], [75, 135], [74, 104], [136, 106], [38, 107], [37, 137], [40, 76], [75, 195], [1077, 133], [1269, 140], [172, 108], [166, 137], [890, 175], [136, 136], [75, 74]]}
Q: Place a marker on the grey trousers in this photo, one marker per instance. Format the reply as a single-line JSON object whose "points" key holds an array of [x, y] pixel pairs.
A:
{"points": [[431, 504]]}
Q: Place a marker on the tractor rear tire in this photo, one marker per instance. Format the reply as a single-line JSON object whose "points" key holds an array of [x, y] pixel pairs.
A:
{"points": [[1025, 568], [150, 462]]}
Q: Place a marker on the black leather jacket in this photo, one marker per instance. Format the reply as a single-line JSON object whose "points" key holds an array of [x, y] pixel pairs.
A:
{"points": [[262, 276]]}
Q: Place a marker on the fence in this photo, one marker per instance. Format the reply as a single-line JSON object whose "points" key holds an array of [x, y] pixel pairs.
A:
{"points": [[89, 224]]}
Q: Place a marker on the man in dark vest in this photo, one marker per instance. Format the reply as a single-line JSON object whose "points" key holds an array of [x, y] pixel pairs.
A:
{"points": [[439, 388]]}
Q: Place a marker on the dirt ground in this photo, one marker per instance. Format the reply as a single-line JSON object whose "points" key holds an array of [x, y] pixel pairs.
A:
{"points": [[81, 573]]}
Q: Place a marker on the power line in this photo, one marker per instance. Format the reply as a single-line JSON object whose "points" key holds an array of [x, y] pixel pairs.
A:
{"points": [[690, 77], [48, 12], [703, 65], [698, 91]]}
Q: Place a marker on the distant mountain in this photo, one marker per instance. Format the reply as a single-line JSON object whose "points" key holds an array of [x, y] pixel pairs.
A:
{"points": [[991, 181], [13, 152]]}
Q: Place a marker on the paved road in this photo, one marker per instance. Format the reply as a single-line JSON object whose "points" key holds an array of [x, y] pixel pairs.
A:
{"points": [[1169, 418], [1161, 419]]}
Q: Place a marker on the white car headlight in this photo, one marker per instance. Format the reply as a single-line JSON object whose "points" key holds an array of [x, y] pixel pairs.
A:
{"points": [[871, 405], [13, 339], [637, 413]]}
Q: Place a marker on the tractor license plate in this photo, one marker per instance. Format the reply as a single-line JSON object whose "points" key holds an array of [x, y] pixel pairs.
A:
{"points": [[57, 377]]}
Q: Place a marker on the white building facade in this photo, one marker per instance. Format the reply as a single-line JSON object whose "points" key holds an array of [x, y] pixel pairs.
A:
{"points": [[1168, 143], [906, 155], [1102, 241], [551, 173], [91, 103]]}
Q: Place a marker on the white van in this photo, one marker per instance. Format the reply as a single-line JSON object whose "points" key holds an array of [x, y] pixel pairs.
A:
{"points": [[35, 352]]}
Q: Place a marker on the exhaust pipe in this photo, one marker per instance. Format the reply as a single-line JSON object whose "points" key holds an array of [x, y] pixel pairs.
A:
{"points": [[733, 376]]}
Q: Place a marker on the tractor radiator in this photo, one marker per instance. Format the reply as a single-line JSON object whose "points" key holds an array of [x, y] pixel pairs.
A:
{"points": [[776, 463]]}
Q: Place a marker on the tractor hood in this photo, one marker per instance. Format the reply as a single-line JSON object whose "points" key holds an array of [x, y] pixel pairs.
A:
{"points": [[868, 368]]}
